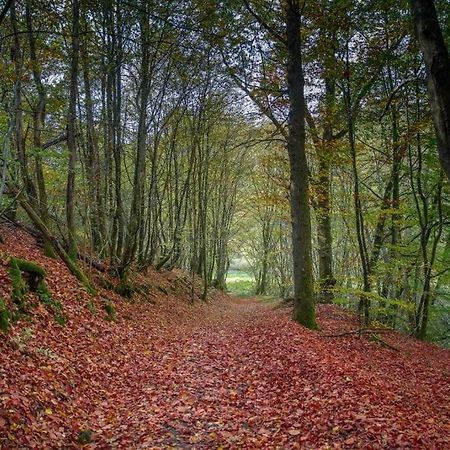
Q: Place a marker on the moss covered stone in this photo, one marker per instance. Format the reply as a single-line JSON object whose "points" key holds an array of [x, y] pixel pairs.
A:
{"points": [[30, 267], [29, 276]]}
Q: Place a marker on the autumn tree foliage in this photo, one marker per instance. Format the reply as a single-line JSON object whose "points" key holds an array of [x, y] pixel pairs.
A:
{"points": [[134, 133]]}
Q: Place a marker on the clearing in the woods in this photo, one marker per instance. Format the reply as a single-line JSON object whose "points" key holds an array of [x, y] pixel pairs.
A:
{"points": [[230, 373]]}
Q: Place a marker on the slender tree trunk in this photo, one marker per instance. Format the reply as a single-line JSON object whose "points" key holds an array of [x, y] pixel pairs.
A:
{"points": [[364, 302], [324, 230], [324, 235], [118, 148], [92, 162], [304, 308], [17, 59], [71, 131], [135, 218], [38, 123], [71, 265]]}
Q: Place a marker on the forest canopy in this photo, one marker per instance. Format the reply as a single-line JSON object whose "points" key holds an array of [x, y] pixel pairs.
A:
{"points": [[308, 140]]}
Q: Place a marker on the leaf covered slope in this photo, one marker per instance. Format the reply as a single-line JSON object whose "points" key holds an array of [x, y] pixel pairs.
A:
{"points": [[228, 374]]}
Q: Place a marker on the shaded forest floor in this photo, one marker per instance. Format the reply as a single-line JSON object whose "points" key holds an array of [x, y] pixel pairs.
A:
{"points": [[233, 373]]}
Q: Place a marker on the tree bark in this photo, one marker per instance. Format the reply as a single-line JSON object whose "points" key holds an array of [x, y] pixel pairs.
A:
{"points": [[135, 218], [38, 123], [17, 59], [71, 130], [437, 61], [71, 265], [304, 308]]}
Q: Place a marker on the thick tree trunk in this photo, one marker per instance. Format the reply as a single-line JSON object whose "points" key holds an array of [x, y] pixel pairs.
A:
{"points": [[304, 308], [437, 61]]}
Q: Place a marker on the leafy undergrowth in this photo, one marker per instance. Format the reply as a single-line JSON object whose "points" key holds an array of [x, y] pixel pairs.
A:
{"points": [[234, 373]]}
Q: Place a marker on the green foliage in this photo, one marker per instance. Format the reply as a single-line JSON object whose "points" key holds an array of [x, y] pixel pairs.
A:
{"points": [[240, 283], [5, 316]]}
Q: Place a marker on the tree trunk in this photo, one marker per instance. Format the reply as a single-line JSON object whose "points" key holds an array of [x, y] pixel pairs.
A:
{"points": [[437, 61], [71, 130], [364, 302], [324, 234], [71, 265], [304, 308], [135, 218], [38, 123], [17, 59]]}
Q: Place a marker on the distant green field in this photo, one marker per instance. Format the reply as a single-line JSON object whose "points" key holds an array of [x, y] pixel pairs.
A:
{"points": [[240, 283]]}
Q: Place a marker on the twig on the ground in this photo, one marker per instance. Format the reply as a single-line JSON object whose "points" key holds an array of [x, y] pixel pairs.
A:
{"points": [[358, 331], [373, 335]]}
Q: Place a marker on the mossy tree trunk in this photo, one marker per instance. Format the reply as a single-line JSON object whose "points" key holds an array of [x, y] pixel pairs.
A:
{"points": [[71, 265]]}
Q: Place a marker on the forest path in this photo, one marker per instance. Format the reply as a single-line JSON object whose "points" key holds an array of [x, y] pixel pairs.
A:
{"points": [[234, 374], [244, 375]]}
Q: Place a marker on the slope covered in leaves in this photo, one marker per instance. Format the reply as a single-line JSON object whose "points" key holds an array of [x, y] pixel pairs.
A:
{"points": [[228, 374]]}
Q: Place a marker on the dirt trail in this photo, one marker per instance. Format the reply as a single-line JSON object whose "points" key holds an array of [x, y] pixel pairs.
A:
{"points": [[245, 376], [234, 374]]}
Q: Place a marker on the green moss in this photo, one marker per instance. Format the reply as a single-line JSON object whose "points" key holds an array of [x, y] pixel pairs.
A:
{"points": [[5, 316], [43, 292], [29, 266], [61, 320], [125, 289], [37, 284], [46, 298], [19, 286], [110, 311], [304, 314], [78, 273]]}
